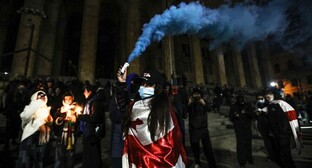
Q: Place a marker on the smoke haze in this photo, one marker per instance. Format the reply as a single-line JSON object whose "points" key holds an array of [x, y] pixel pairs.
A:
{"points": [[240, 22]]}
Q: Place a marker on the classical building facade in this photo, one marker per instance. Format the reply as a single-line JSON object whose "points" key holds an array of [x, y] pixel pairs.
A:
{"points": [[90, 39]]}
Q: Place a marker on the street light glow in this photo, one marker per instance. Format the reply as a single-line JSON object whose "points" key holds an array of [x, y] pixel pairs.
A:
{"points": [[272, 84]]}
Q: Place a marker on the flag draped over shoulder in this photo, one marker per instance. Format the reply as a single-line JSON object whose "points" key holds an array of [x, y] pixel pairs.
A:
{"points": [[139, 149], [291, 115]]}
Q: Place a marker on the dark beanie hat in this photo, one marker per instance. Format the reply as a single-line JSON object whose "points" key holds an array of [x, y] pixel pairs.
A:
{"points": [[153, 77]]}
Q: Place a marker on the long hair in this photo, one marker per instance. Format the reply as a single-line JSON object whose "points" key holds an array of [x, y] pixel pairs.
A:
{"points": [[159, 118]]}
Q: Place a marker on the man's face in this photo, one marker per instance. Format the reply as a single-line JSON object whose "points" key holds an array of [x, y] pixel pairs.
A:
{"points": [[21, 89], [68, 99], [86, 93], [49, 84], [196, 95], [269, 97]]}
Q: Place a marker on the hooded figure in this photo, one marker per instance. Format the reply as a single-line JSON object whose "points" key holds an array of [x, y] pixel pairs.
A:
{"points": [[36, 121], [35, 115], [197, 108], [241, 117]]}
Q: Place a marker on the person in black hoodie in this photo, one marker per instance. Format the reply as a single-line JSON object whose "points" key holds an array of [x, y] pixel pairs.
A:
{"points": [[116, 119], [263, 125], [241, 116], [198, 127], [92, 126]]}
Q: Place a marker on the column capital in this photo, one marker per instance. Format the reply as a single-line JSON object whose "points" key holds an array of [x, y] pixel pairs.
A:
{"points": [[32, 11]]}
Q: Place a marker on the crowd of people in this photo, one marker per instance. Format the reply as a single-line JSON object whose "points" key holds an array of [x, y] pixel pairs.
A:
{"points": [[277, 120], [147, 117], [41, 112]]}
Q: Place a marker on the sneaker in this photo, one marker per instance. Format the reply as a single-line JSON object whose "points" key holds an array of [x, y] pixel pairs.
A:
{"points": [[196, 166]]}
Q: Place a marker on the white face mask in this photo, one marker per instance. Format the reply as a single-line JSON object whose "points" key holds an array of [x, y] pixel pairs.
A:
{"points": [[261, 101], [146, 92], [269, 97]]}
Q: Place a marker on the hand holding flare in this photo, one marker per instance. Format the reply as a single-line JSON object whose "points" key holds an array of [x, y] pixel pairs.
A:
{"points": [[122, 73]]}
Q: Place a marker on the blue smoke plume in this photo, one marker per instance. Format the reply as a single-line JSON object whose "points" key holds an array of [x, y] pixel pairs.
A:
{"points": [[240, 22], [298, 32]]}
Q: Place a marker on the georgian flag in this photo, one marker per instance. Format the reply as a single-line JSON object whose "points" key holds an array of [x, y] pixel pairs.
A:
{"points": [[139, 149], [291, 115]]}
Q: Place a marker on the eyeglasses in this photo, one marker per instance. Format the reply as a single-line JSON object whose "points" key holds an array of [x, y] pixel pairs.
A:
{"points": [[260, 98], [40, 95]]}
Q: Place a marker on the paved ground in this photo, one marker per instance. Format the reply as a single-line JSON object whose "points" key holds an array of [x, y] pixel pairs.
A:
{"points": [[223, 141]]}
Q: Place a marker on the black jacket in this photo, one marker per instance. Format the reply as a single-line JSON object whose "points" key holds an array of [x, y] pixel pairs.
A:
{"points": [[198, 117], [241, 113], [278, 121], [96, 119], [122, 97]]}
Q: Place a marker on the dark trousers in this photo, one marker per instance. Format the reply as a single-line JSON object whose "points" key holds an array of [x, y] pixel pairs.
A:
{"points": [[13, 124], [243, 142], [91, 155], [283, 151], [197, 135], [263, 127], [117, 146], [63, 158], [182, 127], [31, 154], [116, 162]]}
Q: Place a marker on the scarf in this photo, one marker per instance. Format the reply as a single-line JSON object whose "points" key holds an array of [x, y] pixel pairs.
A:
{"points": [[291, 115], [87, 111], [139, 149], [34, 117]]}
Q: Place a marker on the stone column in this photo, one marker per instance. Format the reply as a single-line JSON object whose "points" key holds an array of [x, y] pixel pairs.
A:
{"points": [[254, 68], [238, 65], [4, 20], [46, 46], [197, 60], [168, 51], [59, 44], [3, 33], [220, 66], [267, 68], [86, 69], [133, 33], [27, 38]]}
